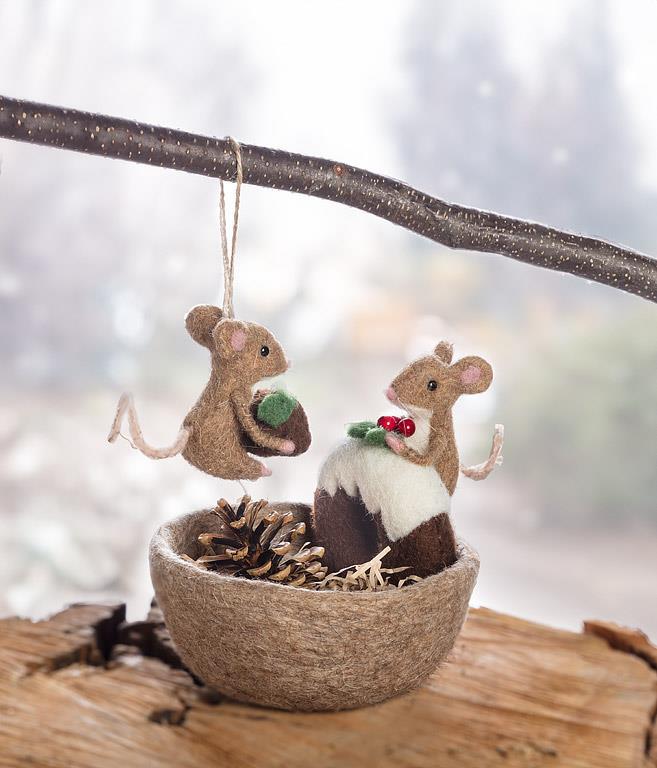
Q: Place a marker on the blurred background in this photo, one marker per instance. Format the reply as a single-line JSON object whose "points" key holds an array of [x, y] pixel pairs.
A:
{"points": [[541, 111]]}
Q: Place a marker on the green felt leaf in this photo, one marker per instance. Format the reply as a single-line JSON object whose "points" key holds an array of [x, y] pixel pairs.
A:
{"points": [[360, 428], [376, 436], [276, 408]]}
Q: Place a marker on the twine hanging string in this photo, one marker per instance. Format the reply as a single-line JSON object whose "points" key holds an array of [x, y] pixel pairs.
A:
{"points": [[229, 257]]}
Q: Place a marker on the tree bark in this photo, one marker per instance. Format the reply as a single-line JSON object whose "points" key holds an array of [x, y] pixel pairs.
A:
{"points": [[451, 225], [86, 689]]}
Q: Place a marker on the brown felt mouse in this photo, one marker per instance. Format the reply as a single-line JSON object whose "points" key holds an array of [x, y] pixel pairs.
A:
{"points": [[428, 389], [371, 496], [221, 426]]}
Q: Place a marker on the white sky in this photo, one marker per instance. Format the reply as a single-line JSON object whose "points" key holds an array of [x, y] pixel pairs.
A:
{"points": [[634, 27], [356, 39], [326, 76]]}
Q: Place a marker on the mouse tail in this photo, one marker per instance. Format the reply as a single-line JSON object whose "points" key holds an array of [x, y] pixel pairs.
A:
{"points": [[126, 404], [481, 471]]}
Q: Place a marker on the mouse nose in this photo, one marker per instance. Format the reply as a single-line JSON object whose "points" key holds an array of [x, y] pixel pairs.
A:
{"points": [[391, 395]]}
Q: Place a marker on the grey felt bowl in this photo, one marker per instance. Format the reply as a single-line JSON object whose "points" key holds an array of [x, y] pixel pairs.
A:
{"points": [[293, 648]]}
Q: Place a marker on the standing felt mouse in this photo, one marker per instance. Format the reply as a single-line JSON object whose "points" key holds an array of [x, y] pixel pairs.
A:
{"points": [[391, 484], [228, 421]]}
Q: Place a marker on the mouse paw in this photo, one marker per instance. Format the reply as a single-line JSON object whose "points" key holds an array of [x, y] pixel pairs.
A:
{"points": [[265, 471], [288, 447], [394, 443]]}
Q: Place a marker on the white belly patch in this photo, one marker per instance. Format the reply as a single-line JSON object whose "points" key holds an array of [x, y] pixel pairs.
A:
{"points": [[404, 494]]}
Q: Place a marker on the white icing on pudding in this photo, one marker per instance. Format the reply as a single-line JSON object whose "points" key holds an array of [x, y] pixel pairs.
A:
{"points": [[404, 494]]}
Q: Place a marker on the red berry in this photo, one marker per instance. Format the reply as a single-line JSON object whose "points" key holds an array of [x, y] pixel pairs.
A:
{"points": [[389, 423], [406, 427]]}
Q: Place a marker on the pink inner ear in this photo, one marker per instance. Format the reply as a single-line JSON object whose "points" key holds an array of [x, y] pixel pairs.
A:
{"points": [[471, 375], [238, 340]]}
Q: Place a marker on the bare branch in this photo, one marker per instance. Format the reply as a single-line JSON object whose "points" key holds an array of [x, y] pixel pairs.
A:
{"points": [[452, 225]]}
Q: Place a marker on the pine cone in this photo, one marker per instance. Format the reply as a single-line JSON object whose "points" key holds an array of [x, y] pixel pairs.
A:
{"points": [[260, 543]]}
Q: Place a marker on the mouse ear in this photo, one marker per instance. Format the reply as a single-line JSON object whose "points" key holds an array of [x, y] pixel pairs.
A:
{"points": [[230, 337], [472, 375], [200, 322], [444, 352]]}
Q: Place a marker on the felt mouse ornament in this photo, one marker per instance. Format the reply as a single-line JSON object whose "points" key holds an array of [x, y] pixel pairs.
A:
{"points": [[391, 483], [228, 422]]}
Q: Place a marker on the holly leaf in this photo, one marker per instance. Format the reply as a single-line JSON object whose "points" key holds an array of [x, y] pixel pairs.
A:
{"points": [[360, 429]]}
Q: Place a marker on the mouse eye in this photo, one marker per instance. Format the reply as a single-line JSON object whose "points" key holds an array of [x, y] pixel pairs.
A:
{"points": [[264, 351], [432, 385]]}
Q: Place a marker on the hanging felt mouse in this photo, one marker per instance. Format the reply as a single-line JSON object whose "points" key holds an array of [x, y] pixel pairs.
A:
{"points": [[391, 483], [229, 421]]}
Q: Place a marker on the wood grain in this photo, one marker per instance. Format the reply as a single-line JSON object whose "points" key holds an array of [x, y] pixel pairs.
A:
{"points": [[74, 693]]}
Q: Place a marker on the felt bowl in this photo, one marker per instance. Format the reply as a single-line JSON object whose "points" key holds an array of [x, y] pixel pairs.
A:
{"points": [[297, 649]]}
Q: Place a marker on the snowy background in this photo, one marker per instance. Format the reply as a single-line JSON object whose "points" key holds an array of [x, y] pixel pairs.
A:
{"points": [[539, 111]]}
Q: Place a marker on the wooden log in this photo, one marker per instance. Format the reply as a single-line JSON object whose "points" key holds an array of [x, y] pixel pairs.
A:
{"points": [[75, 693]]}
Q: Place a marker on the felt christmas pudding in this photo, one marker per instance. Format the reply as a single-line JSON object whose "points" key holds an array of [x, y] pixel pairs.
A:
{"points": [[283, 417], [390, 484], [267, 643]]}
